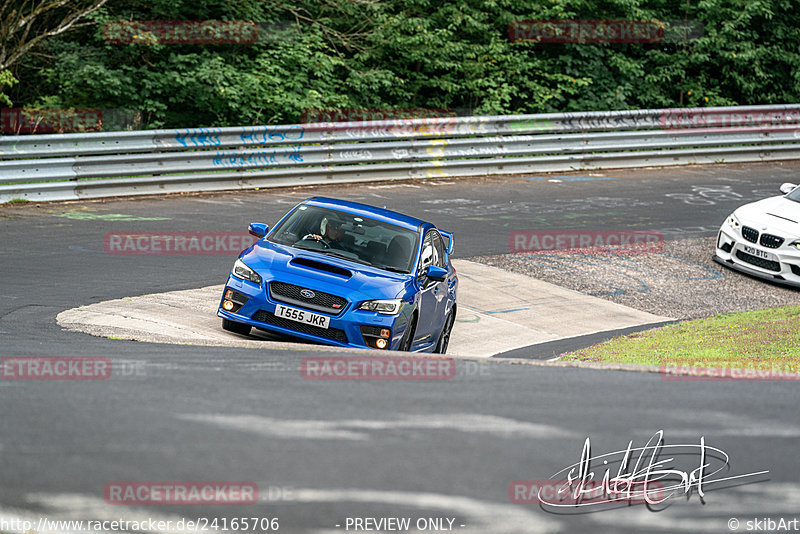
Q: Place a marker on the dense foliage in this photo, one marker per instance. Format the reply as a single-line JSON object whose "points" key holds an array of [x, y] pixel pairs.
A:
{"points": [[453, 54]]}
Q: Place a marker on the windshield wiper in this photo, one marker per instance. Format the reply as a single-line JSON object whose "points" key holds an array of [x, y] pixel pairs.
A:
{"points": [[306, 248], [343, 256], [393, 269]]}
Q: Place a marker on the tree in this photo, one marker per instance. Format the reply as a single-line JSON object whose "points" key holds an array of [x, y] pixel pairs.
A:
{"points": [[25, 23], [396, 54]]}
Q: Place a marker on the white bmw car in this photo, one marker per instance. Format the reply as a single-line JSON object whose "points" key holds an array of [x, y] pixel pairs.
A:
{"points": [[763, 238]]}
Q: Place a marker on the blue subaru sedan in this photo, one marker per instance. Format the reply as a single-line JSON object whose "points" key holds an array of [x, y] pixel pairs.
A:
{"points": [[346, 274]]}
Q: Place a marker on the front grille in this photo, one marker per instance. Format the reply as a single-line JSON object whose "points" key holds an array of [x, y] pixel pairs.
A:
{"points": [[795, 269], [751, 234], [771, 241], [758, 262], [323, 302], [335, 334]]}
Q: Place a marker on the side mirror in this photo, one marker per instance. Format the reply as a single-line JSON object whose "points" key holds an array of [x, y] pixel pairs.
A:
{"points": [[258, 229], [434, 272], [449, 237], [787, 188]]}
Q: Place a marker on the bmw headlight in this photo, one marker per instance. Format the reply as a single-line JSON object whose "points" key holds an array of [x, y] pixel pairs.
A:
{"points": [[241, 270], [385, 307], [733, 222]]}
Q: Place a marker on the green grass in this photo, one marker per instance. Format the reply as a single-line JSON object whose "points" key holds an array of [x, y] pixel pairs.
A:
{"points": [[18, 201], [738, 340]]}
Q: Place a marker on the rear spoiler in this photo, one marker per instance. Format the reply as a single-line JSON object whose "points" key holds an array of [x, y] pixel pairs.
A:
{"points": [[449, 236]]}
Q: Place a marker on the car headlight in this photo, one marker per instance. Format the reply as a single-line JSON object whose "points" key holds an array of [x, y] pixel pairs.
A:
{"points": [[733, 222], [241, 270], [385, 307], [795, 244]]}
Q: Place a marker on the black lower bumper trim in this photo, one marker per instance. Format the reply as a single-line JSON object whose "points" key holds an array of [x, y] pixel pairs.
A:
{"points": [[266, 317], [752, 272]]}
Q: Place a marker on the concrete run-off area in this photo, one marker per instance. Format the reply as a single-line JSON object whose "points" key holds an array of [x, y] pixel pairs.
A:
{"points": [[498, 311]]}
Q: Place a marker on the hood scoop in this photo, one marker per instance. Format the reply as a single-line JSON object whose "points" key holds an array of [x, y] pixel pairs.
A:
{"points": [[321, 266], [784, 218]]}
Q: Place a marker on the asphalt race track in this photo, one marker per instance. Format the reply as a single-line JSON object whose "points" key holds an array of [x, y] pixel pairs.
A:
{"points": [[323, 451]]}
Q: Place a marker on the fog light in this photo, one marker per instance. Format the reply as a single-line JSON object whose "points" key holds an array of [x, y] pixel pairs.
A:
{"points": [[385, 332], [381, 343], [227, 305]]}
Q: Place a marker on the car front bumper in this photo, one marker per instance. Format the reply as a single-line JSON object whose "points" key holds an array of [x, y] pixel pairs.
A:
{"points": [[780, 265], [348, 328]]}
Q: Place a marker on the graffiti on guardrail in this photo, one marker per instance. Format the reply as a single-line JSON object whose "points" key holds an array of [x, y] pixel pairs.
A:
{"points": [[199, 137], [579, 121], [253, 135], [467, 138], [269, 134], [406, 128], [259, 158], [355, 154], [722, 120]]}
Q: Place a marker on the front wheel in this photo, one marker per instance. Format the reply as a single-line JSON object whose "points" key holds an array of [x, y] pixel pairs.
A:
{"points": [[236, 328], [444, 338]]}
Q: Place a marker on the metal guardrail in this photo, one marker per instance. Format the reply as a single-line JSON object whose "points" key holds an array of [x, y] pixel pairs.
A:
{"points": [[94, 165]]}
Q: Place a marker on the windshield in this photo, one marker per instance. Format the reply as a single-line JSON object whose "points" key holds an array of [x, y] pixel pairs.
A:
{"points": [[794, 195], [352, 237]]}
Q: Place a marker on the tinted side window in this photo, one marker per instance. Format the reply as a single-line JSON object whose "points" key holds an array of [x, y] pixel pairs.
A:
{"points": [[438, 249], [428, 253]]}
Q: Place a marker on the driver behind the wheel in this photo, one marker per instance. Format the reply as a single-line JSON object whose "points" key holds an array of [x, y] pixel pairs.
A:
{"points": [[331, 232]]}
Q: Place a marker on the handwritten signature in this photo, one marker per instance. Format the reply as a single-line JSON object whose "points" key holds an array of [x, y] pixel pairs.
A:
{"points": [[650, 480]]}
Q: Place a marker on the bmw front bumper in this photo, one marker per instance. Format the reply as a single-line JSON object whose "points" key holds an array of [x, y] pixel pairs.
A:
{"points": [[780, 264]]}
